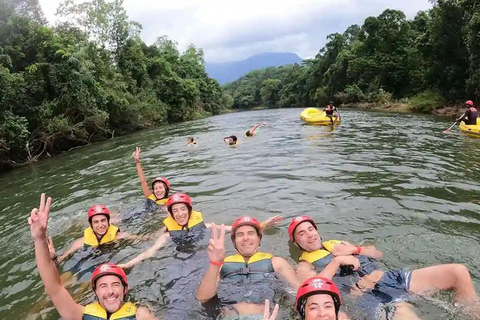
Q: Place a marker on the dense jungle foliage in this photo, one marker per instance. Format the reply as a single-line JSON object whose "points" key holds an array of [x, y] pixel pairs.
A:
{"points": [[426, 62], [89, 78]]}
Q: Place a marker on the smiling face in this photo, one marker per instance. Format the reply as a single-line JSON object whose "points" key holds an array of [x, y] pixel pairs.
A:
{"points": [[307, 237], [247, 240], [180, 213], [159, 190], [320, 307], [110, 292], [100, 224]]}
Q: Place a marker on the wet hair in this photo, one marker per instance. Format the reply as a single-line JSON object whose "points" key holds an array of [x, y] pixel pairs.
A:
{"points": [[248, 133], [190, 140]]}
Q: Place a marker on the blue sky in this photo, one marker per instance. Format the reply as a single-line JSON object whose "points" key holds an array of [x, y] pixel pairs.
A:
{"points": [[234, 30]]}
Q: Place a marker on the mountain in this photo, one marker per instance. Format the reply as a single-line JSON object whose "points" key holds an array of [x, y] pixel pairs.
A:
{"points": [[231, 71]]}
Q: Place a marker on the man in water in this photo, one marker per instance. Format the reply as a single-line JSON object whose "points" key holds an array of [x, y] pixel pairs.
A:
{"points": [[471, 114], [380, 287], [252, 273], [100, 232], [329, 110], [251, 132], [231, 140], [109, 282], [182, 222]]}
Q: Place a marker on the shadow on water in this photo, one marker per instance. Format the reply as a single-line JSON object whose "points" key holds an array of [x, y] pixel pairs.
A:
{"points": [[393, 180]]}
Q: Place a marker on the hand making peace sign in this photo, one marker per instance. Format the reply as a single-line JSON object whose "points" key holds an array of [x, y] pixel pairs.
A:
{"points": [[38, 220], [216, 248]]}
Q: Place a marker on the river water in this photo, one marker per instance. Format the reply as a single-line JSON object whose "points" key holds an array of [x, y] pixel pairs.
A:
{"points": [[393, 180]]}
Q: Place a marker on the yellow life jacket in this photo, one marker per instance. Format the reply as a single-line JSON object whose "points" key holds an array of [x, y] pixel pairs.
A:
{"points": [[161, 202], [90, 239], [195, 222], [258, 266], [95, 311], [322, 257]]}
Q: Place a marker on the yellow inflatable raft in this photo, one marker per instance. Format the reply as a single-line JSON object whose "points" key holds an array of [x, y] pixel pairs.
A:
{"points": [[316, 116], [470, 130]]}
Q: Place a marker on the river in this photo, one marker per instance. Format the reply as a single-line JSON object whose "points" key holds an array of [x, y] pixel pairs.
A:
{"points": [[392, 180]]}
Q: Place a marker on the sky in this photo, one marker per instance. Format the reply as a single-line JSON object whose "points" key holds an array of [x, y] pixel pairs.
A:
{"points": [[234, 30]]}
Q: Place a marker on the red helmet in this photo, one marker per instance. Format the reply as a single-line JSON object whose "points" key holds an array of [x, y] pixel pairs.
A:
{"points": [[317, 285], [164, 181], [179, 198], [469, 102], [108, 269], [98, 209], [295, 222], [246, 221]]}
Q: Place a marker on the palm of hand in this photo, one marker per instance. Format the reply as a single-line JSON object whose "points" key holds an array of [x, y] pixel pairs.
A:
{"points": [[38, 220], [216, 248]]}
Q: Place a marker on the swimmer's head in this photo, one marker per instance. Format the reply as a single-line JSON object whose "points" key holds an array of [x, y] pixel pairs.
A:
{"points": [[99, 219], [180, 207], [231, 140], [190, 140], [248, 133], [109, 282], [160, 188], [318, 298], [246, 235], [303, 232]]}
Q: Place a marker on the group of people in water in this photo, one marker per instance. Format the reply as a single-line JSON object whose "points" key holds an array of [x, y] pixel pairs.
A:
{"points": [[326, 272]]}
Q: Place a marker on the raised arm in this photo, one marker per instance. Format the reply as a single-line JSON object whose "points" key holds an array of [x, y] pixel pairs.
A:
{"points": [[216, 254], [63, 301], [161, 241], [255, 127], [282, 267], [271, 222], [77, 244], [141, 175]]}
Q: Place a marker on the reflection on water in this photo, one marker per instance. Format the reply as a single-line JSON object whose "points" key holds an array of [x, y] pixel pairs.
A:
{"points": [[393, 180]]}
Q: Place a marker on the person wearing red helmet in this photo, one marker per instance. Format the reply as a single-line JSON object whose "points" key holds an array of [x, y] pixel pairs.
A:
{"points": [[108, 281], [319, 298], [471, 114], [160, 185], [181, 221], [252, 272], [391, 286], [99, 232]]}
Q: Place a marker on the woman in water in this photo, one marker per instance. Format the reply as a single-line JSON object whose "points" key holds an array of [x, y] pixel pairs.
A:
{"points": [[191, 142], [160, 185], [251, 132], [231, 140]]}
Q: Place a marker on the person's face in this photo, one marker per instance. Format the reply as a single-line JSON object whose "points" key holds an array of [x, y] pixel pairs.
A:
{"points": [[159, 190], [307, 237], [228, 140], [247, 240], [100, 224], [320, 307], [180, 213], [110, 292]]}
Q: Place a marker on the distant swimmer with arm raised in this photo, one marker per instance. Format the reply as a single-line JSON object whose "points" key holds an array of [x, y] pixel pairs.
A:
{"points": [[160, 185], [251, 132]]}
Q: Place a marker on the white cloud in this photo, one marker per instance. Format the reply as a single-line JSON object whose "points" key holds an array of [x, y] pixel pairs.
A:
{"points": [[232, 30]]}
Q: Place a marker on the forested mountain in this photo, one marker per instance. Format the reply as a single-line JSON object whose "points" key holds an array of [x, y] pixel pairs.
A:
{"points": [[428, 61], [230, 71]]}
